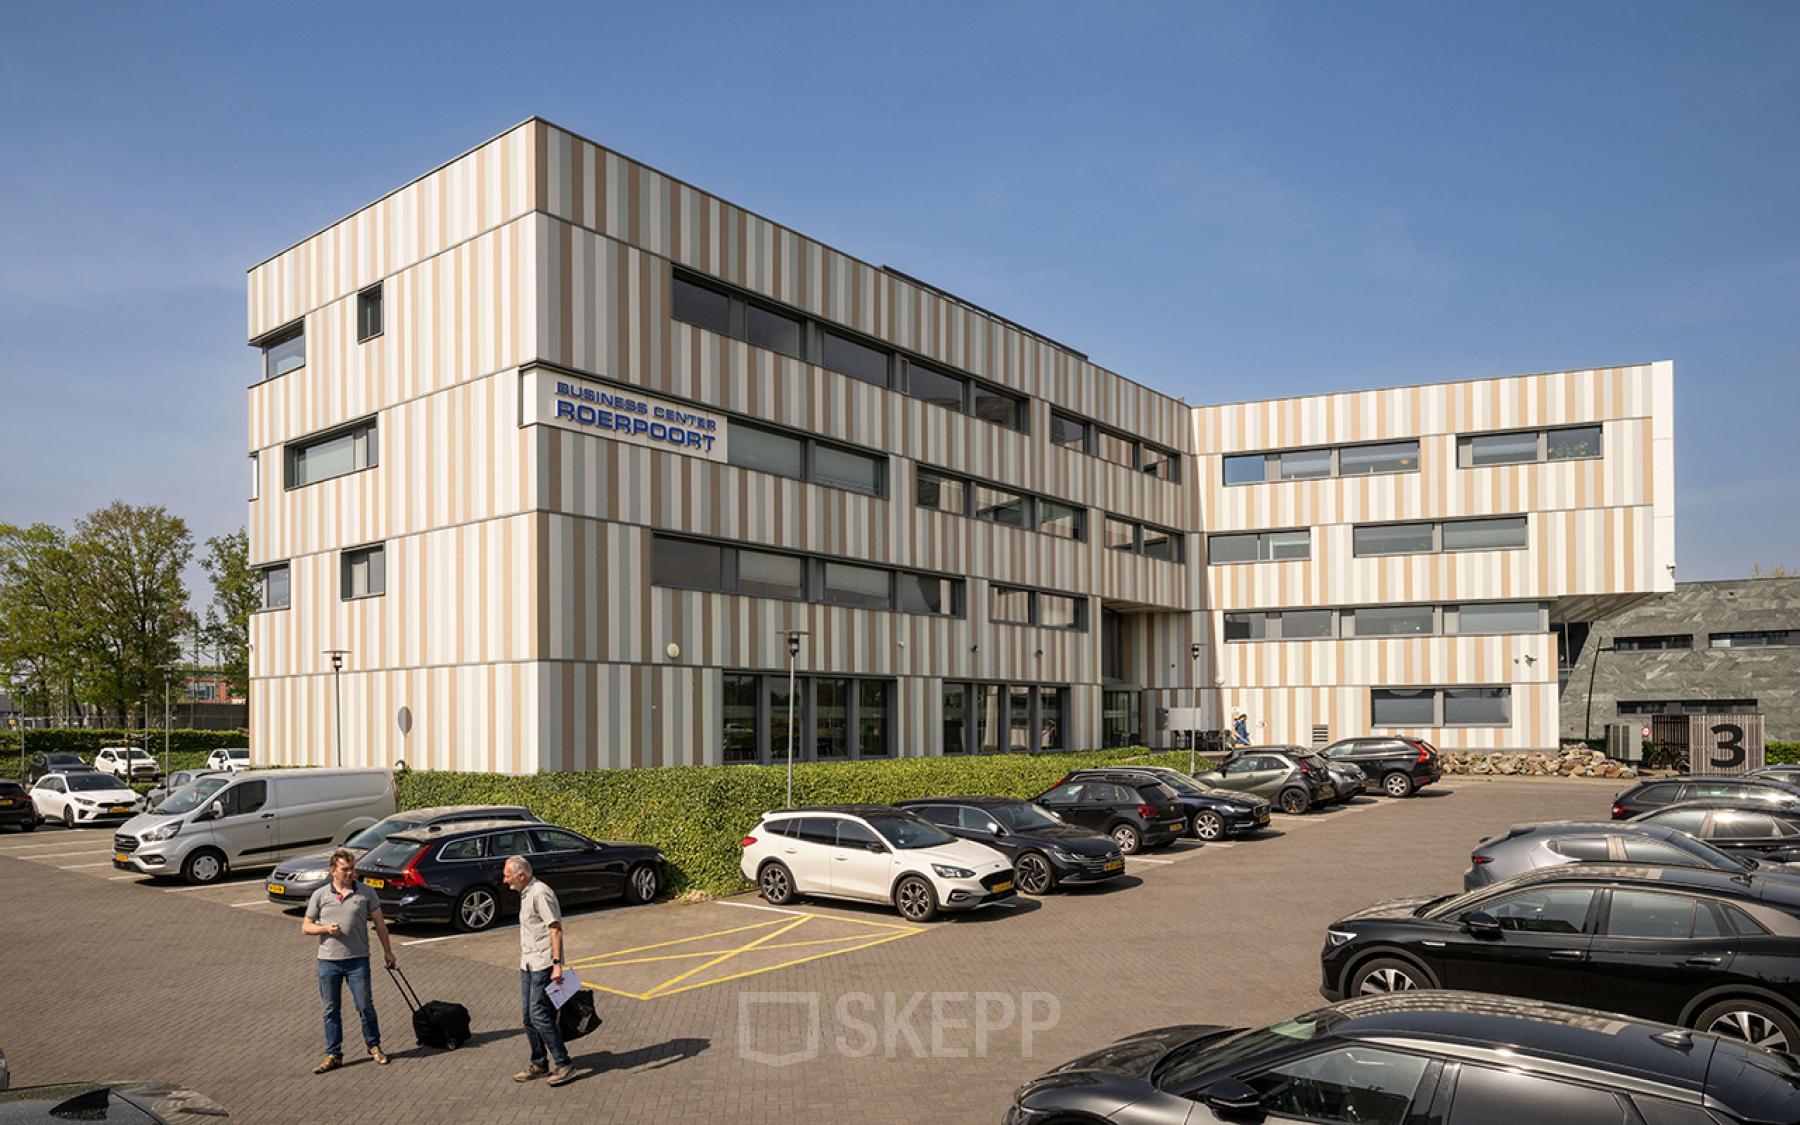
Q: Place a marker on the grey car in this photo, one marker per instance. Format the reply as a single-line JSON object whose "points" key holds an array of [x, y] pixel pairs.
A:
{"points": [[1526, 847], [1350, 779], [294, 881], [1285, 775]]}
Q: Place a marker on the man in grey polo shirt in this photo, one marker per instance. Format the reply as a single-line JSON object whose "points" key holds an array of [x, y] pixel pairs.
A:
{"points": [[540, 962], [339, 914]]}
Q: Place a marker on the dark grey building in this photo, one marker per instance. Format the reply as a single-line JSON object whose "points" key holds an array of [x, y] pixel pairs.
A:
{"points": [[1707, 647]]}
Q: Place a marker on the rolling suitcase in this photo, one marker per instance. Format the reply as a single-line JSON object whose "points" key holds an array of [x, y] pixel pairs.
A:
{"points": [[436, 1023]]}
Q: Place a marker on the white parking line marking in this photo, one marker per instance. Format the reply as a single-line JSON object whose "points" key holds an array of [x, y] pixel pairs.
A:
{"points": [[79, 866], [35, 848], [758, 906], [498, 929], [211, 887], [64, 855], [1136, 859], [258, 902], [444, 937]]}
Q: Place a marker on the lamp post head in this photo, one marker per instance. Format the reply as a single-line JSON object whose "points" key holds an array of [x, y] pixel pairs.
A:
{"points": [[793, 644], [1194, 650]]}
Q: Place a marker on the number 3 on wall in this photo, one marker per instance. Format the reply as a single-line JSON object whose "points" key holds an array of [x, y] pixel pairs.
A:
{"points": [[1728, 752]]}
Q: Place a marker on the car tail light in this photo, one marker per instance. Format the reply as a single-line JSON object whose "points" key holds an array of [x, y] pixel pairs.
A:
{"points": [[747, 841], [1619, 811], [1478, 859], [1065, 777], [409, 873], [1305, 770], [1146, 811]]}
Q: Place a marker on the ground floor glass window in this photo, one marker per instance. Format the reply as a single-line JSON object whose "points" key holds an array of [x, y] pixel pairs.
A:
{"points": [[832, 718]]}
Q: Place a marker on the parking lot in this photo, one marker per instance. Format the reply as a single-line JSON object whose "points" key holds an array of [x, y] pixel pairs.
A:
{"points": [[728, 1010]]}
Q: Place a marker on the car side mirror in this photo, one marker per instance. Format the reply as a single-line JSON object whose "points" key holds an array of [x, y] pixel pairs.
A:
{"points": [[993, 829], [1482, 924], [1234, 1098]]}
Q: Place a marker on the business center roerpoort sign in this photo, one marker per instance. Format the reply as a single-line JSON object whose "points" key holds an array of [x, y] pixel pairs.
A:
{"points": [[619, 414]]}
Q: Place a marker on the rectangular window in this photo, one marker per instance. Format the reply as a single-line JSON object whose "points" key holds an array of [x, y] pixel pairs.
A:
{"points": [[1247, 468], [1305, 464], [1118, 718], [942, 493], [255, 476], [1121, 535], [1653, 644], [1478, 707], [841, 468], [856, 359], [1118, 450], [783, 723], [1064, 521], [740, 719], [770, 576], [1246, 626], [1161, 544], [1009, 605], [333, 455], [284, 350], [956, 718], [940, 387], [1496, 449], [275, 586], [1282, 546], [1572, 443], [831, 719], [777, 331], [1392, 621], [368, 313], [1389, 457], [1499, 617], [1071, 433], [1050, 718], [363, 572], [1305, 624], [990, 718], [858, 586], [926, 593], [1159, 463], [1233, 548], [1000, 408], [998, 506], [1393, 539], [754, 448], [1019, 709], [872, 698], [1484, 534], [698, 305], [1401, 707], [1761, 638], [1059, 611], [685, 563]]}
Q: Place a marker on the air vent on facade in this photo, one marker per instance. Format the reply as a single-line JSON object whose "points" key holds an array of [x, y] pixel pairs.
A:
{"points": [[1321, 734]]}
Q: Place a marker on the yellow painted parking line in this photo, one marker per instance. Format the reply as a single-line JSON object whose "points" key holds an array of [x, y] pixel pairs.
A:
{"points": [[665, 991]]}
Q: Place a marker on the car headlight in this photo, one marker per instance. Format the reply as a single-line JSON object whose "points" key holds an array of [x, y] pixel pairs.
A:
{"points": [[165, 832], [1338, 937], [84, 802], [949, 872], [1062, 854], [317, 874]]}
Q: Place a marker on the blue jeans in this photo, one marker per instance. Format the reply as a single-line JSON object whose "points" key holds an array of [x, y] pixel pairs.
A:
{"points": [[540, 1019], [332, 975]]}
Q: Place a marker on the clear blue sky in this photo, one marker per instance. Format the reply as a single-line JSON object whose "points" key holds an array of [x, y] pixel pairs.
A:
{"points": [[1222, 201]]}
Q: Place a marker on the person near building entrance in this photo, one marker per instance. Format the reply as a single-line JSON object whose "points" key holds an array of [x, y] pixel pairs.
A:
{"points": [[1240, 727], [540, 962], [339, 915]]}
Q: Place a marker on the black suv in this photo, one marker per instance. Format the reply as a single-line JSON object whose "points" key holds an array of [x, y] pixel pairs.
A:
{"points": [[451, 873], [1045, 852], [1400, 766], [1425, 1057], [1135, 811], [1656, 793], [40, 764], [16, 807], [1212, 814], [1713, 950], [1740, 827]]}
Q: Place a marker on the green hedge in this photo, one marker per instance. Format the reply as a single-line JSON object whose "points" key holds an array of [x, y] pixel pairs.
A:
{"points": [[1782, 753], [699, 814], [187, 748]]}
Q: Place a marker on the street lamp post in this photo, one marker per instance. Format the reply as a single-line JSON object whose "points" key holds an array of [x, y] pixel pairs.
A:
{"points": [[337, 696], [1194, 650], [166, 728], [793, 648]]}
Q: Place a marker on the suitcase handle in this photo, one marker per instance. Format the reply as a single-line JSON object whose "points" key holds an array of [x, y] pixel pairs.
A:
{"points": [[407, 992]]}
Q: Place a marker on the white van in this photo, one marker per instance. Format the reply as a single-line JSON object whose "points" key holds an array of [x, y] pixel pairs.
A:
{"points": [[257, 818]]}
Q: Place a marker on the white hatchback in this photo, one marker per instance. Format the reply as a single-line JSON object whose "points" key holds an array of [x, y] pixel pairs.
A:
{"points": [[872, 853], [231, 758], [127, 763], [87, 797]]}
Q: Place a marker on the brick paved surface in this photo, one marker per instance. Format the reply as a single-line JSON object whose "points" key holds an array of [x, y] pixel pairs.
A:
{"points": [[120, 978]]}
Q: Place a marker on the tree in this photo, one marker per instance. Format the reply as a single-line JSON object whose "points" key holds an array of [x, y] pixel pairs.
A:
{"points": [[237, 593], [44, 634], [131, 560], [1776, 571]]}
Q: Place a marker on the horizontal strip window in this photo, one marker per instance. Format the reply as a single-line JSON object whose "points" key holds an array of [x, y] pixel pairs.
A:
{"points": [[274, 586], [1143, 539], [283, 350], [961, 496], [1660, 643], [1491, 533], [1004, 718], [1259, 546], [1465, 619], [335, 454], [1760, 638], [1015, 605], [697, 564], [1565, 443], [713, 305], [363, 572], [1096, 440], [823, 718], [804, 458], [1326, 461], [1440, 707], [1687, 706]]}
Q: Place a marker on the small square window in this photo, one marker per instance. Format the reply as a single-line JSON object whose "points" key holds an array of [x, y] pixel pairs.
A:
{"points": [[285, 350], [368, 313], [932, 385], [1067, 431], [776, 331], [276, 586], [942, 493], [364, 573], [698, 305]]}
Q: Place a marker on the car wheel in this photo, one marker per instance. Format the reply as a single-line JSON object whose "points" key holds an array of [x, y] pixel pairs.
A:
{"points": [[1032, 871], [1293, 801], [1129, 839], [776, 883], [643, 883], [1384, 975], [1397, 784], [1208, 825], [203, 866], [68, 816], [476, 910], [29, 825], [1752, 1021], [915, 899]]}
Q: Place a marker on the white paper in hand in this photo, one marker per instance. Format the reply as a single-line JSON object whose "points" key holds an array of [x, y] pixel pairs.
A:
{"points": [[560, 991]]}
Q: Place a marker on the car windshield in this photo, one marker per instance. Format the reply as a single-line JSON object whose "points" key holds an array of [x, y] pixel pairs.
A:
{"points": [[191, 797], [376, 833], [1181, 1066], [908, 831], [1025, 817], [90, 782], [1181, 784]]}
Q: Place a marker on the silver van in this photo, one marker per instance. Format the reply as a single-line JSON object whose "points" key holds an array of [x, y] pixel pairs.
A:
{"points": [[231, 821]]}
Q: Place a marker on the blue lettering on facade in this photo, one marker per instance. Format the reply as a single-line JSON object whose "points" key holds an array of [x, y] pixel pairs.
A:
{"points": [[622, 415]]}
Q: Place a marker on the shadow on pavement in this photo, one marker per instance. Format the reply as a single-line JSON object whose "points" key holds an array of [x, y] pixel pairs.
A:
{"points": [[654, 1057]]}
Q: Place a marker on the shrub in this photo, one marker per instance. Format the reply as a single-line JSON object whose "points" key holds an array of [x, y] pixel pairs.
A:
{"points": [[1782, 753], [698, 815]]}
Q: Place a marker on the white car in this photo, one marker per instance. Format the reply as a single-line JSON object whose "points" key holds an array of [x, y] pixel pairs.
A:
{"points": [[88, 797], [127, 763], [232, 758], [872, 853]]}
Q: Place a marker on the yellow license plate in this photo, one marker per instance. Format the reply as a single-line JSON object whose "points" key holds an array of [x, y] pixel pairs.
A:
{"points": [[998, 887], [118, 857], [117, 809], [6, 802], [1115, 865], [376, 883], [277, 889]]}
